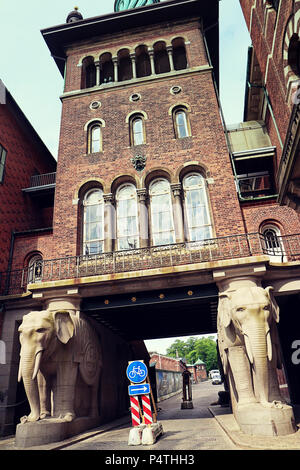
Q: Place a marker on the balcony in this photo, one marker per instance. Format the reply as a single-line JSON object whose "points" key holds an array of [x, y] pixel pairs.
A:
{"points": [[286, 248], [38, 182]]}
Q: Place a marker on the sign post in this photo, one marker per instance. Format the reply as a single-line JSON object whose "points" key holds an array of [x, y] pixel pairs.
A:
{"points": [[146, 433]]}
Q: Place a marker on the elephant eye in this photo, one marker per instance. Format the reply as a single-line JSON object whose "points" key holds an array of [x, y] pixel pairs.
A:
{"points": [[240, 309], [267, 307], [41, 330]]}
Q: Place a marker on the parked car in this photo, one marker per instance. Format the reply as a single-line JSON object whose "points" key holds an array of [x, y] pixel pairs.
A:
{"points": [[213, 371], [216, 378]]}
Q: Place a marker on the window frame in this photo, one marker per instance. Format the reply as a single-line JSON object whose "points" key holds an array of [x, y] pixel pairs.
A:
{"points": [[205, 205], [86, 241], [155, 234], [133, 119], [136, 235], [91, 128], [176, 111]]}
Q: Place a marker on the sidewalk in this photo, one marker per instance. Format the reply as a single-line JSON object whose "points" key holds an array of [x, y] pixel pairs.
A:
{"points": [[227, 422]]}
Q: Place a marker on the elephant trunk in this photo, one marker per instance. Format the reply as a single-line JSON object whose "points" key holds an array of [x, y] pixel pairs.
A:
{"points": [[29, 365], [256, 346]]}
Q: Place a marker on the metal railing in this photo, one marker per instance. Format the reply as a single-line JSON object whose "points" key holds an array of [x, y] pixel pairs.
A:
{"points": [[286, 248], [42, 180]]}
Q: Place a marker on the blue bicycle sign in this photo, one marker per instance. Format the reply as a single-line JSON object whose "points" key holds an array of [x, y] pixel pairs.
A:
{"points": [[137, 372]]}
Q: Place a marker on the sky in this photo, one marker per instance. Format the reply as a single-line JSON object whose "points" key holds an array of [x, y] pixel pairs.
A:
{"points": [[32, 77]]}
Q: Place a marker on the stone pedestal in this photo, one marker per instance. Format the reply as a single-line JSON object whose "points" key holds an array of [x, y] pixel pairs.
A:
{"points": [[187, 405], [255, 419], [51, 430]]}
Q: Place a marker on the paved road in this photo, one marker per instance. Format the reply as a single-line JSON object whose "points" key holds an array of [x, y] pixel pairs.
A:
{"points": [[193, 429]]}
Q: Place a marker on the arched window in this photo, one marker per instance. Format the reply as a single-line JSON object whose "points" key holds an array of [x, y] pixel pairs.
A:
{"points": [[127, 218], [94, 138], [89, 71], [161, 58], [106, 68], [137, 130], [272, 243], [125, 65], [143, 65], [179, 54], [294, 54], [181, 123], [162, 222], [198, 222], [35, 269], [93, 222]]}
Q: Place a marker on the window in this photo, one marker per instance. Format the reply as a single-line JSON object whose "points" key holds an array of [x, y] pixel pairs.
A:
{"points": [[143, 65], [161, 58], [125, 66], [294, 54], [106, 68], [35, 269], [272, 244], [162, 223], [181, 123], [137, 131], [94, 138], [89, 72], [196, 206], [93, 222], [3, 154], [127, 218], [179, 54]]}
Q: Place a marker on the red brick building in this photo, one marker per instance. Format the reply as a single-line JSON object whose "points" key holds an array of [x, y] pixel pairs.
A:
{"points": [[158, 204], [198, 371]]}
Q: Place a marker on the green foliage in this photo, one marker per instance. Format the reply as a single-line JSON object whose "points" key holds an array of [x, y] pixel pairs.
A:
{"points": [[193, 349]]}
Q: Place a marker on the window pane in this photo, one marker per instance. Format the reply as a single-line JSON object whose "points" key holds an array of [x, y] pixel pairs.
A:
{"points": [[95, 139], [127, 222], [181, 124], [93, 232], [197, 211], [161, 213], [137, 131]]}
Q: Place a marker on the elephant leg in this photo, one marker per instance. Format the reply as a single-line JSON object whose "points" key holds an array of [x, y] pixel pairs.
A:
{"points": [[241, 373], [65, 390], [45, 395]]}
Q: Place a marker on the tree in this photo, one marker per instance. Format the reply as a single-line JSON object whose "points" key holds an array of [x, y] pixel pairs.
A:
{"points": [[193, 349]]}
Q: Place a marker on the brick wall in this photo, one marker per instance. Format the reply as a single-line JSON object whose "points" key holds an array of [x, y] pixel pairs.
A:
{"points": [[167, 363], [18, 211]]}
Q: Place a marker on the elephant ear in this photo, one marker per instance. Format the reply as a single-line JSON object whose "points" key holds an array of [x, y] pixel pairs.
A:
{"points": [[224, 309], [64, 325], [274, 305]]}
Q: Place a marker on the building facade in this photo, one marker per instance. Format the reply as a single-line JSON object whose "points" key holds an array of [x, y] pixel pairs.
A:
{"points": [[162, 213]]}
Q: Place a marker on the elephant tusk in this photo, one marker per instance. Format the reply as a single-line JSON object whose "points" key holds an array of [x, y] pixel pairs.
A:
{"points": [[269, 346], [20, 372], [37, 362]]}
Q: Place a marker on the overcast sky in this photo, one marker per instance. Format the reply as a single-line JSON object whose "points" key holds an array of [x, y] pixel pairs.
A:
{"points": [[32, 77]]}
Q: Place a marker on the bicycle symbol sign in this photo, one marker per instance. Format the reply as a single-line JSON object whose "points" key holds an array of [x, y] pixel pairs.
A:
{"points": [[137, 372]]}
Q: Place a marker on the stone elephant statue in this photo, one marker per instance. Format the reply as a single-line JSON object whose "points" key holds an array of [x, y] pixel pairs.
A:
{"points": [[249, 345], [60, 364]]}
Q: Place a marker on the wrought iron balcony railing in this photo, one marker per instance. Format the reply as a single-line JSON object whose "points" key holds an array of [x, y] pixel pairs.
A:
{"points": [[46, 179], [286, 248]]}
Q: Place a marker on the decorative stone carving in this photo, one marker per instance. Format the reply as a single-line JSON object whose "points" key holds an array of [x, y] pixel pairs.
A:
{"points": [[249, 350], [60, 364], [139, 162]]}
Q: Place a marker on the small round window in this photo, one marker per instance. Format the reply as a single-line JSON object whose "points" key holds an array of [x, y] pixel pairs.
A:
{"points": [[135, 97], [95, 105]]}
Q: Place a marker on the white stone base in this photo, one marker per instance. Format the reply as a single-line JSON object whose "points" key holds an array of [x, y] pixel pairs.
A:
{"points": [[50, 430], [135, 435], [151, 433], [256, 419]]}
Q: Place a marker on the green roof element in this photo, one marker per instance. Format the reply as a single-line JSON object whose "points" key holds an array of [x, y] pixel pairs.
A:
{"points": [[121, 5]]}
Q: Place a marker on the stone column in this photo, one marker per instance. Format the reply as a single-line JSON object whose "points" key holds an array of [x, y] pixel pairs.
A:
{"points": [[97, 64], [178, 213], [109, 222], [170, 54], [133, 63], [115, 62], [143, 217], [151, 55]]}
